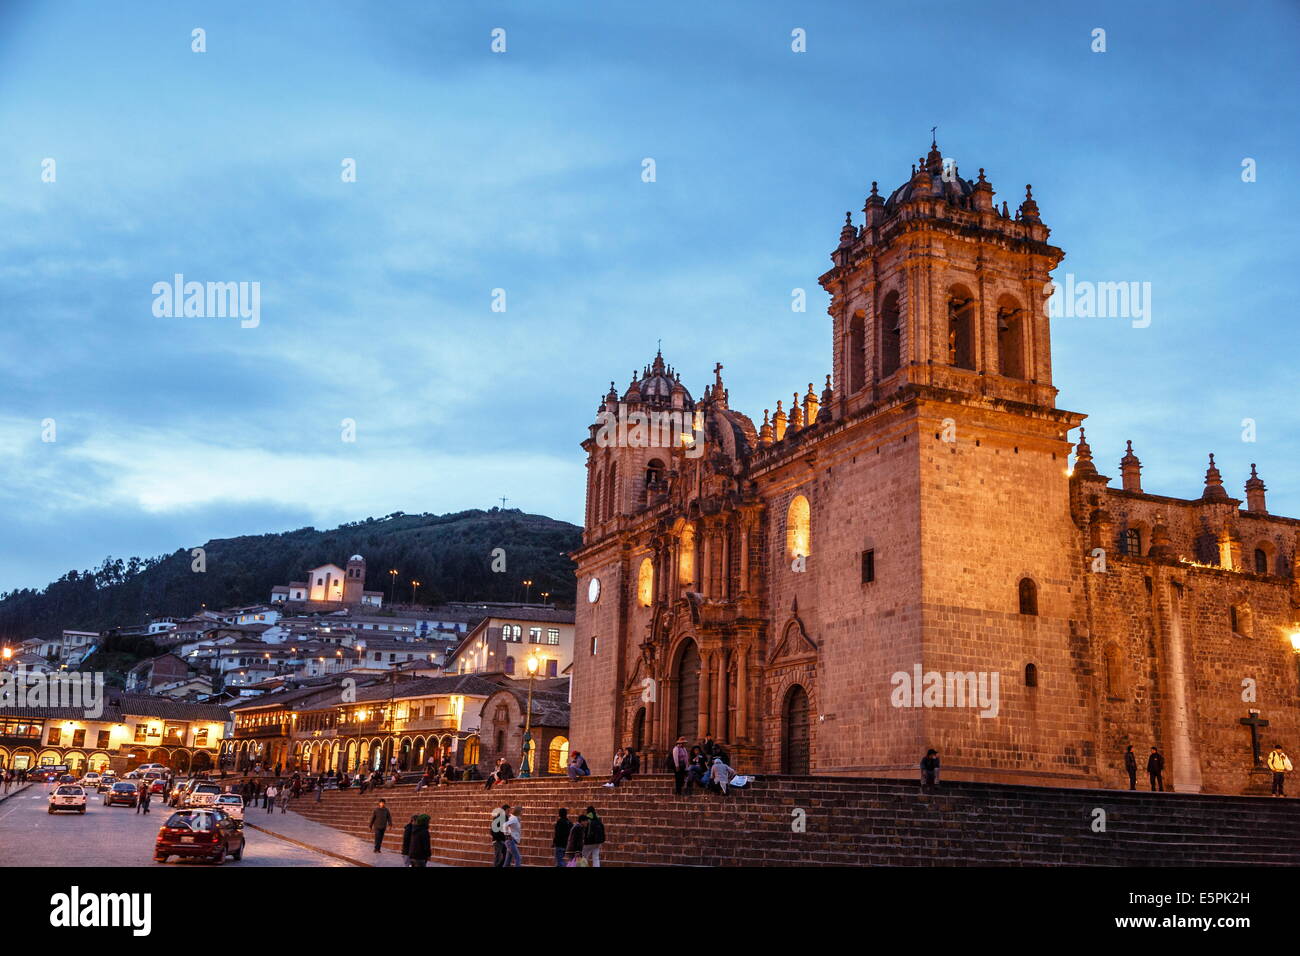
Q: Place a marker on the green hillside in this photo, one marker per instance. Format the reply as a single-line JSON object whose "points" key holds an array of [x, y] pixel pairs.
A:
{"points": [[450, 554]]}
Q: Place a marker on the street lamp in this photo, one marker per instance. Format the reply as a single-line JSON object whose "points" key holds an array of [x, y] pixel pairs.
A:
{"points": [[392, 583], [529, 585], [525, 766], [415, 586], [545, 595]]}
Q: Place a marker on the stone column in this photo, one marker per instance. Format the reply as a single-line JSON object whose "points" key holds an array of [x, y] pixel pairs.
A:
{"points": [[1186, 760], [706, 693], [742, 695]]}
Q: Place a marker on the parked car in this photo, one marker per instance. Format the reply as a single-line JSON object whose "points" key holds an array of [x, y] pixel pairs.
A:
{"points": [[201, 795], [204, 833], [124, 791], [157, 786], [146, 767], [68, 797], [232, 804]]}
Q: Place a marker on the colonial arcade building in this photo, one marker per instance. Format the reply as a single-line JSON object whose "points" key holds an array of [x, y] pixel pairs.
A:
{"points": [[919, 516]]}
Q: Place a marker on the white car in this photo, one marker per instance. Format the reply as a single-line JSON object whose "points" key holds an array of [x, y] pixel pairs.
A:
{"points": [[232, 804], [91, 780], [202, 795], [68, 796]]}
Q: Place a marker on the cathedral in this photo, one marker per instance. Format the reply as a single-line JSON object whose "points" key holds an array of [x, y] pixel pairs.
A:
{"points": [[909, 559]]}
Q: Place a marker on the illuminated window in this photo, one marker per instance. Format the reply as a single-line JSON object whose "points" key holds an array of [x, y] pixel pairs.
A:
{"points": [[686, 557], [552, 635], [798, 533], [645, 582], [557, 757]]}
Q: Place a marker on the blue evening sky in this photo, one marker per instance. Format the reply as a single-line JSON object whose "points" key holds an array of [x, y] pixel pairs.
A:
{"points": [[522, 171]]}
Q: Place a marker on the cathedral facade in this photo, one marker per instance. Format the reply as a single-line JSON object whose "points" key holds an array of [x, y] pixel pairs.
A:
{"points": [[909, 559]]}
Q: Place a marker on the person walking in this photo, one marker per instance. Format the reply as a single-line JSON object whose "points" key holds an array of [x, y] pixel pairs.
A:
{"points": [[499, 815], [930, 771], [406, 839], [421, 848], [320, 788], [284, 799], [268, 798], [593, 838], [380, 820], [577, 834], [560, 840], [514, 835], [142, 804], [1280, 764], [1156, 770], [1131, 767], [678, 761]]}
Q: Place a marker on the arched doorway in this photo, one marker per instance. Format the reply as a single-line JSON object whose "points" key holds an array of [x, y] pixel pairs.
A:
{"points": [[202, 761], [688, 691], [794, 732], [558, 755], [638, 730]]}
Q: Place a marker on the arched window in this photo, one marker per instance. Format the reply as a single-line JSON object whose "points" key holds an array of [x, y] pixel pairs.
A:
{"points": [[891, 336], [654, 478], [961, 329], [645, 583], [1261, 561], [557, 756], [1011, 338], [611, 491], [1133, 542], [686, 557], [1031, 675], [798, 531], [597, 496], [857, 357], [1028, 596], [470, 752]]}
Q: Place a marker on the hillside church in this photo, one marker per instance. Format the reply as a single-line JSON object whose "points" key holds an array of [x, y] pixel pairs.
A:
{"points": [[812, 589]]}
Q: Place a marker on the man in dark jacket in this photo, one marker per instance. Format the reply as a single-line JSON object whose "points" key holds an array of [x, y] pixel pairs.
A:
{"points": [[406, 840], [380, 820], [678, 761], [577, 838], [1131, 767], [594, 837], [421, 849], [1156, 769], [499, 816], [560, 842]]}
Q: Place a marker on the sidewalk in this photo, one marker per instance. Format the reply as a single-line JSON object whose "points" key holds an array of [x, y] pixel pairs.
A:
{"points": [[12, 790], [317, 836]]}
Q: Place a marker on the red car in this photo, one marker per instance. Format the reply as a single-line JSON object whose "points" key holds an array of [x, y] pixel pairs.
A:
{"points": [[204, 834], [158, 786]]}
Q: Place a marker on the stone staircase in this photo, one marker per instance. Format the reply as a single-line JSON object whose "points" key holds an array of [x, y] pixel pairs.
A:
{"points": [[848, 822]]}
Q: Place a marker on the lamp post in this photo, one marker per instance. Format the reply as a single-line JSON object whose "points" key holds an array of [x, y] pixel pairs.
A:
{"points": [[528, 585], [525, 764], [415, 586], [392, 583], [545, 596]]}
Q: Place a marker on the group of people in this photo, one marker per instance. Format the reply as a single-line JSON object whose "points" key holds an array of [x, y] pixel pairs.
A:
{"points": [[704, 766]]}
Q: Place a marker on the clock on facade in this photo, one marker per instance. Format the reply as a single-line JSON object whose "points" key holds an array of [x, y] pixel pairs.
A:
{"points": [[593, 591]]}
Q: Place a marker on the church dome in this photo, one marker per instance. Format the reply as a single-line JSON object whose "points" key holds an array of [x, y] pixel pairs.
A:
{"points": [[658, 382], [356, 557], [928, 182]]}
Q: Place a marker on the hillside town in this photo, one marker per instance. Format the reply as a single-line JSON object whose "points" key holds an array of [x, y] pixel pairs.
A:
{"points": [[324, 676]]}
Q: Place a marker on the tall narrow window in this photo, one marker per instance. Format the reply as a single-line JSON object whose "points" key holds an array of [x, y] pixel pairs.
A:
{"points": [[1133, 542], [798, 529], [1028, 596], [961, 331], [611, 491], [891, 336], [686, 557], [654, 478], [645, 582], [1261, 561], [868, 566], [1011, 337], [1031, 675], [857, 357]]}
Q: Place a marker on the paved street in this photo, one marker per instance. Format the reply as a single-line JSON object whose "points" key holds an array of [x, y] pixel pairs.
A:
{"points": [[115, 836]]}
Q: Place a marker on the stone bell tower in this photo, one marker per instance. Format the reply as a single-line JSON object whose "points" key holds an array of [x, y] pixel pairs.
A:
{"points": [[943, 373], [940, 287]]}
